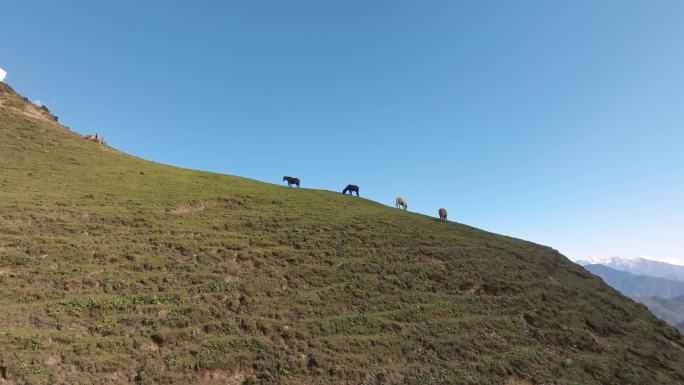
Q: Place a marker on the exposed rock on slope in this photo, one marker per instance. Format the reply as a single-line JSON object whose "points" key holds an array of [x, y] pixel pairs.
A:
{"points": [[96, 138], [11, 101]]}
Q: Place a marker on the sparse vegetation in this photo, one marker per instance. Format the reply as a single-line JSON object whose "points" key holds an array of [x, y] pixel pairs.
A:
{"points": [[117, 270]]}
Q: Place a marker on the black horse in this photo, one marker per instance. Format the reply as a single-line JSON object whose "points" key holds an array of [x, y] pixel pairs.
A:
{"points": [[291, 181], [351, 188]]}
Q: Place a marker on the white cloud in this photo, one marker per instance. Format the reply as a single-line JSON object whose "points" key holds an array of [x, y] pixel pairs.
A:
{"points": [[3, 73], [38, 103]]}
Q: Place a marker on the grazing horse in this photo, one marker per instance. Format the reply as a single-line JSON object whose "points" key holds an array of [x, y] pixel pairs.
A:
{"points": [[351, 188], [291, 181], [442, 214], [401, 203]]}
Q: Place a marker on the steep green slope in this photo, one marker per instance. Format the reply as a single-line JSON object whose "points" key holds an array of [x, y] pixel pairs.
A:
{"points": [[115, 270]]}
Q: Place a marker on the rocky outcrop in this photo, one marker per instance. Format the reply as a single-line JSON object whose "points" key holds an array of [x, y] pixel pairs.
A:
{"points": [[95, 138], [11, 100]]}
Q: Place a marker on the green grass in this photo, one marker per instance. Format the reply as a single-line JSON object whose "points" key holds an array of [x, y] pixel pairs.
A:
{"points": [[118, 270]]}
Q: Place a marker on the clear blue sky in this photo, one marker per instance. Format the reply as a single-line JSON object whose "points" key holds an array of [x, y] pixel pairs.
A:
{"points": [[561, 122]]}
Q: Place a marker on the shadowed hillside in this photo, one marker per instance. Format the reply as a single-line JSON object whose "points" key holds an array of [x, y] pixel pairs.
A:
{"points": [[116, 270]]}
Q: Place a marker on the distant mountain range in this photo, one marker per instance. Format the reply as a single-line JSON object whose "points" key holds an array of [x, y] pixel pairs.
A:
{"points": [[670, 310], [658, 285], [638, 286], [639, 266]]}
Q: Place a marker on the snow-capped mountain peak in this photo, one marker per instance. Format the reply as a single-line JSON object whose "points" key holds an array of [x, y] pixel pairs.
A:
{"points": [[639, 266]]}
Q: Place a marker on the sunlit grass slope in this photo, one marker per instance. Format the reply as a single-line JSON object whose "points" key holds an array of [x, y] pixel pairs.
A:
{"points": [[116, 270]]}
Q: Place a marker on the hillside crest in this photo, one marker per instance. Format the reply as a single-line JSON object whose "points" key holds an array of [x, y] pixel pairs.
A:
{"points": [[14, 102]]}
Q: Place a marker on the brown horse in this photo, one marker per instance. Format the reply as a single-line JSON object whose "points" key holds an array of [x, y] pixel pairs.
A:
{"points": [[291, 181], [400, 202], [351, 188], [442, 214]]}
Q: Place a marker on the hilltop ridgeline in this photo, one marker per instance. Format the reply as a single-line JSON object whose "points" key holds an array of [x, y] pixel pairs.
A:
{"points": [[11, 101], [116, 270]]}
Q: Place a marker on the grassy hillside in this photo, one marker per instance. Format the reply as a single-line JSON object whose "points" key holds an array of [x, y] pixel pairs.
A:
{"points": [[116, 270]]}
